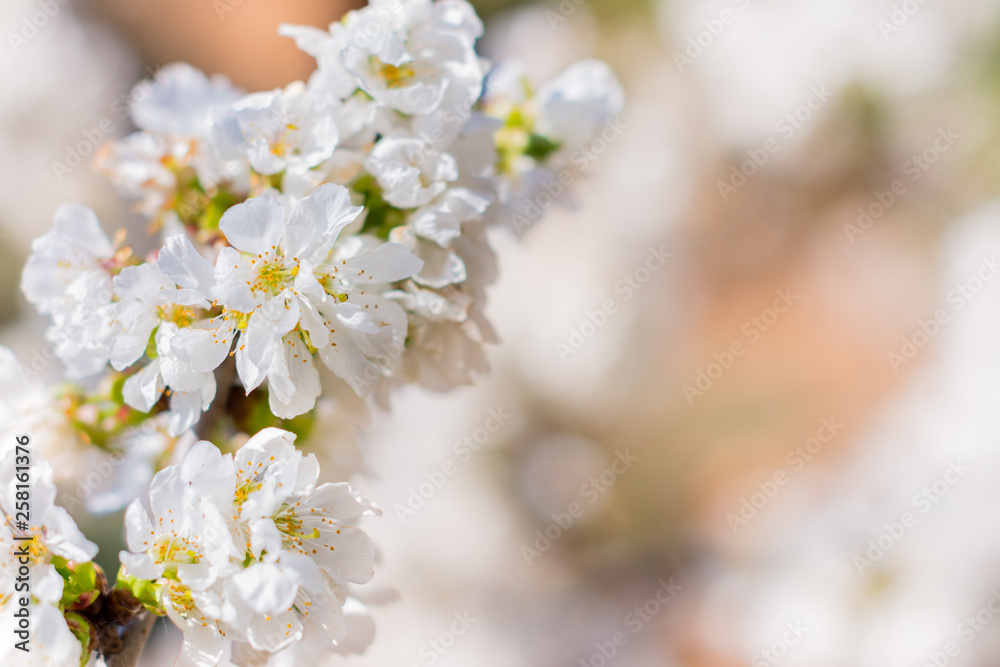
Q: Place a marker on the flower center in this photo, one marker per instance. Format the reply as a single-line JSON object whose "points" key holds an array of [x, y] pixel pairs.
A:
{"points": [[182, 316], [34, 548], [37, 550], [244, 491], [273, 276], [181, 599], [395, 77], [175, 549], [290, 525], [285, 143]]}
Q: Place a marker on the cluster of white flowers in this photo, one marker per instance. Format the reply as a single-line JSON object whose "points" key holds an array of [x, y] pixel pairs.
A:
{"points": [[248, 549], [344, 218], [318, 244], [30, 567]]}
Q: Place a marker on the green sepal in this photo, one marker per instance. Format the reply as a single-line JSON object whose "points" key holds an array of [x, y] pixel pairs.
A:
{"points": [[80, 587], [84, 633], [145, 591], [277, 181], [517, 118], [151, 344], [540, 148]]}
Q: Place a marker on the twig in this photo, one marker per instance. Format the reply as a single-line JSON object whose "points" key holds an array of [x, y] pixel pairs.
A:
{"points": [[134, 642], [137, 634]]}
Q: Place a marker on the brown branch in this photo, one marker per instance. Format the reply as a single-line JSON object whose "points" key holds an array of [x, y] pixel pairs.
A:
{"points": [[137, 633], [133, 642]]}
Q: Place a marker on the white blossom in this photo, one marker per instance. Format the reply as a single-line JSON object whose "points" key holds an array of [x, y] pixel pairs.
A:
{"points": [[51, 533], [577, 105], [174, 114], [51, 530], [147, 297], [286, 286], [414, 57], [275, 131], [343, 219], [51, 643], [68, 278], [191, 392], [248, 548]]}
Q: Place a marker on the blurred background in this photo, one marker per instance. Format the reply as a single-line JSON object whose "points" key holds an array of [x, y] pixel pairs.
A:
{"points": [[779, 444]]}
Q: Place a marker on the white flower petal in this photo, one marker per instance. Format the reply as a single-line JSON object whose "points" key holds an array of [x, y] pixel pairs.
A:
{"points": [[143, 390], [388, 263], [255, 226], [267, 588], [184, 265], [141, 566]]}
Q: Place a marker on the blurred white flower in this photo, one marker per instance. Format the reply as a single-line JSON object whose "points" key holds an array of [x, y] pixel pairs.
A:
{"points": [[68, 277]]}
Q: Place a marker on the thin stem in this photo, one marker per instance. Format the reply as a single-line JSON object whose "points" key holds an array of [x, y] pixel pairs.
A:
{"points": [[137, 634]]}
